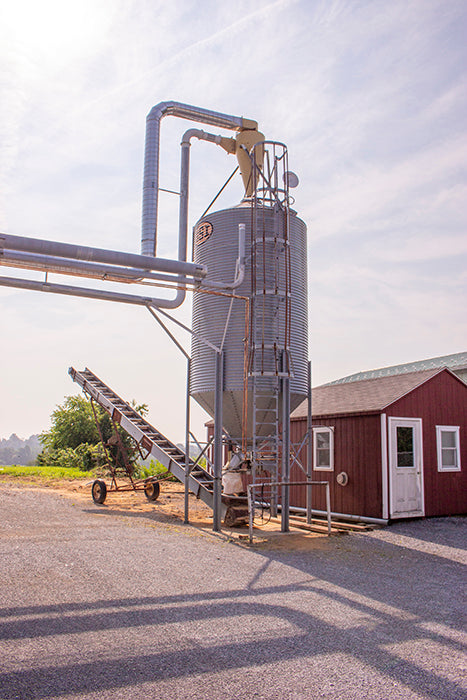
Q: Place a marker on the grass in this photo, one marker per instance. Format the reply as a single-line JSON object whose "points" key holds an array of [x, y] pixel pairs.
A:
{"points": [[45, 473], [49, 473]]}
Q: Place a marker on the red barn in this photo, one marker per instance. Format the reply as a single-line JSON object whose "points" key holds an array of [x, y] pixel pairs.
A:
{"points": [[390, 447]]}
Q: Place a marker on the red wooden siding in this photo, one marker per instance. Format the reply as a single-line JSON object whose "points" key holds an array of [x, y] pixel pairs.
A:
{"points": [[357, 451], [440, 401]]}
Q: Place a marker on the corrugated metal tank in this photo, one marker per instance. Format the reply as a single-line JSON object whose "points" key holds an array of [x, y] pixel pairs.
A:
{"points": [[216, 246]]}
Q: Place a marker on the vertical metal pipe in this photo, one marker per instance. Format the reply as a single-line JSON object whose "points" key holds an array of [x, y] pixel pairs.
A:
{"points": [[328, 506], [251, 513], [184, 194], [309, 453], [187, 441], [285, 454], [217, 487], [151, 183]]}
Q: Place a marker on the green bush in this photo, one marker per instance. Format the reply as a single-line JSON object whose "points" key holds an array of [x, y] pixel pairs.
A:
{"points": [[74, 439], [84, 457], [155, 469]]}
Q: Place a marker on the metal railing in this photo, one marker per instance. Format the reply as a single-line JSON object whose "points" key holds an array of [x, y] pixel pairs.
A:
{"points": [[253, 501]]}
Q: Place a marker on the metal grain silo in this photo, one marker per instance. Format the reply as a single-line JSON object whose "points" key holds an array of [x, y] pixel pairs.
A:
{"points": [[276, 340]]}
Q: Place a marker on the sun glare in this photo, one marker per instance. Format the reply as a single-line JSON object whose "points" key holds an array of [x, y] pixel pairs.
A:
{"points": [[53, 28]]}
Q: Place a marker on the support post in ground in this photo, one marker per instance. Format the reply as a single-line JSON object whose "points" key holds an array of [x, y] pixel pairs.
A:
{"points": [[187, 441], [285, 454], [217, 487], [309, 453]]}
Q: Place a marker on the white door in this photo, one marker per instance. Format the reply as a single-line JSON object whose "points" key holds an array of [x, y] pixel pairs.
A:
{"points": [[405, 467]]}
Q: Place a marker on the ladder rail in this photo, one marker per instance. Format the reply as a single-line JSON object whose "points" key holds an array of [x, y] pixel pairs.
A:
{"points": [[269, 349]]}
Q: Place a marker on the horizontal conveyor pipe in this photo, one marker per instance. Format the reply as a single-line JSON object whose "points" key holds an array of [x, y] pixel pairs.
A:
{"points": [[88, 254], [66, 266], [68, 290], [342, 516]]}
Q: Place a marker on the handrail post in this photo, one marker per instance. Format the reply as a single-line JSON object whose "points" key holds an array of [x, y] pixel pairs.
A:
{"points": [[250, 487], [328, 506]]}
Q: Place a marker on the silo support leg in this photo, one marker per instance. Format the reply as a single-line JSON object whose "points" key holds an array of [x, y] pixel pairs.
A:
{"points": [[217, 486], [309, 452], [187, 444], [285, 454]]}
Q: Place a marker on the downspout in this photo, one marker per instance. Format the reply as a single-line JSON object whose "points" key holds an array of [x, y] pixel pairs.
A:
{"points": [[151, 157], [183, 211], [239, 267]]}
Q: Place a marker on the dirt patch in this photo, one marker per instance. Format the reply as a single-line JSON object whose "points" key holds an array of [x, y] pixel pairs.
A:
{"points": [[170, 502], [169, 509]]}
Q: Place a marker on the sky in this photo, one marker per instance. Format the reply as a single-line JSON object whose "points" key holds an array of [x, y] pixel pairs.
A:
{"points": [[370, 97]]}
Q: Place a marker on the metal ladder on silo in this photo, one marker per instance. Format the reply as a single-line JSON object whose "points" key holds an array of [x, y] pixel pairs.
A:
{"points": [[265, 418], [267, 360]]}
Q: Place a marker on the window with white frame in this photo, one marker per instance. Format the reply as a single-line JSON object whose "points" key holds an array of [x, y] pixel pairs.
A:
{"points": [[323, 449], [448, 447]]}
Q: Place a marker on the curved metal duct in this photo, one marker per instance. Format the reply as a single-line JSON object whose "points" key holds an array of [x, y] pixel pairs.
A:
{"points": [[151, 157]]}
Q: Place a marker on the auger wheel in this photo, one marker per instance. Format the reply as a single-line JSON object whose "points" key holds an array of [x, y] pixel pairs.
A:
{"points": [[152, 490], [99, 491]]}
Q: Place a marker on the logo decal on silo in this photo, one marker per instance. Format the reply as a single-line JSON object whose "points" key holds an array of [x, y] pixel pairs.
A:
{"points": [[203, 231]]}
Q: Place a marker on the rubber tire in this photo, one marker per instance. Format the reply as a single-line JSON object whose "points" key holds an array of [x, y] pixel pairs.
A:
{"points": [[152, 490], [99, 491]]}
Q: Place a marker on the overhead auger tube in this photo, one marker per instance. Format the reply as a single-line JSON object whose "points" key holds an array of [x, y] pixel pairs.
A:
{"points": [[247, 137]]}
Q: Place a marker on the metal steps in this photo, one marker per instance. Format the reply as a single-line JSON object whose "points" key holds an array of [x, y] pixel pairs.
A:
{"points": [[201, 482]]}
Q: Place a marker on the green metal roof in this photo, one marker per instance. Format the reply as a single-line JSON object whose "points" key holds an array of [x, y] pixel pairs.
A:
{"points": [[453, 362]]}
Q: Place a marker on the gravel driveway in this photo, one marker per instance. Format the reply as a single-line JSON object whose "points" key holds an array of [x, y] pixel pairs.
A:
{"points": [[96, 604]]}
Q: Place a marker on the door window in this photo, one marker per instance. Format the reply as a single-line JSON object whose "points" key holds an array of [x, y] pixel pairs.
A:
{"points": [[405, 447]]}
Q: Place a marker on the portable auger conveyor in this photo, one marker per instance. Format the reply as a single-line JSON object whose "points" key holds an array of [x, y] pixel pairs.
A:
{"points": [[156, 445]]}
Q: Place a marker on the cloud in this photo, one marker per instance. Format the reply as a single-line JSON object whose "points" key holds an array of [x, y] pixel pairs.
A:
{"points": [[378, 195]]}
